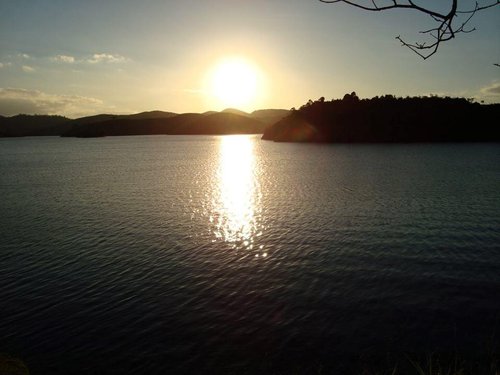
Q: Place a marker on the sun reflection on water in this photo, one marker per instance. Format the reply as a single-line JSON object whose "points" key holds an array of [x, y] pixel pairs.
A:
{"points": [[236, 207]]}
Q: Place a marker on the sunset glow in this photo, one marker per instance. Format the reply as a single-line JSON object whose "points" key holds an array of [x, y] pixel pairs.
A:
{"points": [[123, 57]]}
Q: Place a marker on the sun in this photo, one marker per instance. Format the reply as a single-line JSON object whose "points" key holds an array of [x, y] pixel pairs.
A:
{"points": [[234, 82]]}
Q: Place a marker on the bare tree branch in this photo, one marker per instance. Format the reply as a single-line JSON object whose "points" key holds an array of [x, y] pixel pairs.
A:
{"points": [[445, 29]]}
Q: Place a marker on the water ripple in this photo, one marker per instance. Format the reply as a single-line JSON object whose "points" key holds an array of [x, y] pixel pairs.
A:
{"points": [[200, 254]]}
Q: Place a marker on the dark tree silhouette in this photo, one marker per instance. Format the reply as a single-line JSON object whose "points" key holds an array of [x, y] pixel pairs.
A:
{"points": [[389, 119], [447, 23]]}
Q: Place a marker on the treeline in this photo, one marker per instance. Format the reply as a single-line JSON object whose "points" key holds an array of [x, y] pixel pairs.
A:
{"points": [[389, 119], [39, 125]]}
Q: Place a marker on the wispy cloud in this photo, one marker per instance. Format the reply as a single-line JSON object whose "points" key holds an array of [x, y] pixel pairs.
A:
{"points": [[490, 93], [27, 69], [24, 56], [106, 58], [96, 58], [64, 59], [1, 65], [493, 89], [15, 100]]}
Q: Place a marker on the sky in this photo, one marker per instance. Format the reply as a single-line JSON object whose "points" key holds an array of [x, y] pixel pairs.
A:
{"points": [[78, 58]]}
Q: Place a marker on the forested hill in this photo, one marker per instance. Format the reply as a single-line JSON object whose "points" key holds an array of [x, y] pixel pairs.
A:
{"points": [[187, 123], [389, 119], [229, 121], [23, 125]]}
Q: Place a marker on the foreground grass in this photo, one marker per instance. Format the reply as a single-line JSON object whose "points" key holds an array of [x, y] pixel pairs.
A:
{"points": [[436, 365], [12, 366]]}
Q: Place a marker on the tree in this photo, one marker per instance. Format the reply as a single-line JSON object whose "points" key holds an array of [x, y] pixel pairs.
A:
{"points": [[447, 24]]}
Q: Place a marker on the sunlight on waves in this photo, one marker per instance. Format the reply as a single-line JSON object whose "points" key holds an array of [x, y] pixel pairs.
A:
{"points": [[237, 204]]}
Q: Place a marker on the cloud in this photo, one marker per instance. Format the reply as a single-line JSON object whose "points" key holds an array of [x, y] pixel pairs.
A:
{"points": [[24, 56], [15, 100], [490, 93], [96, 58], [28, 69], [64, 59], [493, 89], [105, 58], [1, 65]]}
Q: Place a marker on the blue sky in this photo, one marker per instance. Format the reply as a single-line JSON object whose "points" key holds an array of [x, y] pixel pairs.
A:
{"points": [[85, 57]]}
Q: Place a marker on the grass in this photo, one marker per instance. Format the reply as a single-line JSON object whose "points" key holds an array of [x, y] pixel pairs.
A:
{"points": [[433, 364], [12, 366], [437, 365]]}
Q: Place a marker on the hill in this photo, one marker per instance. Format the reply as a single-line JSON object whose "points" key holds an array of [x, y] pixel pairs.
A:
{"points": [[33, 125], [187, 123], [235, 111], [107, 117], [389, 119], [229, 121], [269, 116]]}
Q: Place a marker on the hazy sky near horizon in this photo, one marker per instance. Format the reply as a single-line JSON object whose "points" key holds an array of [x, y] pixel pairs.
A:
{"points": [[79, 58]]}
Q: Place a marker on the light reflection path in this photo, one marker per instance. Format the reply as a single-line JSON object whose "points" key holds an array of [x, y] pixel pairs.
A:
{"points": [[237, 204]]}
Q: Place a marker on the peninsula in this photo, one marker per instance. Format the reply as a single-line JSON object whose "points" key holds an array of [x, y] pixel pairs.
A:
{"points": [[389, 119]]}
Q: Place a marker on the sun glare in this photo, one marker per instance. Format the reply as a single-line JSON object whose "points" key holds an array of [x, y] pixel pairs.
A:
{"points": [[234, 82], [238, 200]]}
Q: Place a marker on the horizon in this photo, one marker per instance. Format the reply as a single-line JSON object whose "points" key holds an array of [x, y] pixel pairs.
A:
{"points": [[81, 59], [152, 111], [231, 109]]}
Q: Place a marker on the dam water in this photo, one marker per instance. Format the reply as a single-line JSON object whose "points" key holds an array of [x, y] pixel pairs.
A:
{"points": [[201, 254]]}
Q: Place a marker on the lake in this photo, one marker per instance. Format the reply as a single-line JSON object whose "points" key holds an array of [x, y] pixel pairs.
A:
{"points": [[205, 254]]}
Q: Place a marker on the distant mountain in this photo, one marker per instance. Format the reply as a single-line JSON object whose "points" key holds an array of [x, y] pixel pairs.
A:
{"points": [[95, 119], [152, 114], [33, 125], [137, 116], [128, 126], [389, 119], [235, 111], [187, 123], [269, 116], [229, 121]]}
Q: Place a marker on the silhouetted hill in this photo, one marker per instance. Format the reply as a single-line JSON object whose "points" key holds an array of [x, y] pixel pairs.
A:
{"points": [[269, 116], [107, 117], [33, 125], [389, 119], [236, 112], [128, 126], [152, 114], [96, 118], [227, 123], [187, 123]]}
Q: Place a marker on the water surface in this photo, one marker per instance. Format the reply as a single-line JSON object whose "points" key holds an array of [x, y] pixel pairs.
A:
{"points": [[173, 254]]}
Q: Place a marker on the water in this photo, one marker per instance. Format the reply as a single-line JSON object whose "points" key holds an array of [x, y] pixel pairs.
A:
{"points": [[172, 254]]}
